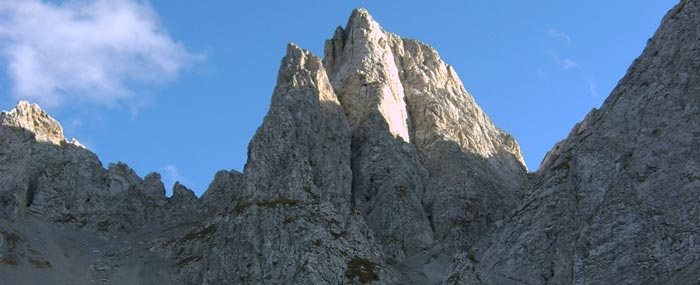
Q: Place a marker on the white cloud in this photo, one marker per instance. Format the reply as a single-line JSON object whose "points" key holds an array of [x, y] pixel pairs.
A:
{"points": [[172, 175], [553, 33], [172, 172], [568, 64], [88, 50], [592, 87]]}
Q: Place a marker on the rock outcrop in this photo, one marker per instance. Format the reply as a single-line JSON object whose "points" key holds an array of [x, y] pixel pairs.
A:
{"points": [[387, 173], [428, 164], [31, 118], [618, 201], [290, 220], [376, 166]]}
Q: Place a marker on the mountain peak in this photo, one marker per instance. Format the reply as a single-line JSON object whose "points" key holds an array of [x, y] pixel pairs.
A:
{"points": [[298, 57], [31, 117], [294, 50], [361, 17], [362, 28], [376, 166]]}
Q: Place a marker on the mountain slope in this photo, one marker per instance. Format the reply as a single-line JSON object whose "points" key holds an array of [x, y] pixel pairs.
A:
{"points": [[429, 166], [376, 166], [617, 201]]}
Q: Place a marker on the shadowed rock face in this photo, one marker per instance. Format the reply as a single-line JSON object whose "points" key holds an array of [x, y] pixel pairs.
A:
{"points": [[292, 220], [376, 166], [428, 164], [617, 201]]}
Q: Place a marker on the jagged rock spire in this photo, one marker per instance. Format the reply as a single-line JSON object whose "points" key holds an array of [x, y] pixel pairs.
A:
{"points": [[304, 138], [291, 216], [366, 90], [375, 166], [422, 148], [388, 176], [30, 117]]}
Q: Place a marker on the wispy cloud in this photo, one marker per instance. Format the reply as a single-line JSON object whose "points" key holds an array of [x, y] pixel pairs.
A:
{"points": [[172, 175], [91, 50], [565, 63], [553, 33], [592, 87]]}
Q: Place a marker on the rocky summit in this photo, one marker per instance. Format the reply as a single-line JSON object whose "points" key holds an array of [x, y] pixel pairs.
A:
{"points": [[374, 165]]}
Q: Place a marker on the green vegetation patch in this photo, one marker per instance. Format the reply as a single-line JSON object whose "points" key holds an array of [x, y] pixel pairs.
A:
{"points": [[242, 204], [40, 263], [103, 226], [311, 193], [199, 234], [188, 260], [8, 260], [277, 202], [338, 235], [361, 269]]}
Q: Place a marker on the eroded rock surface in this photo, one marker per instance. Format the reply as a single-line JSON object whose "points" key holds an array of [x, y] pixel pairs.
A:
{"points": [[376, 166], [428, 164], [291, 221], [31, 118], [617, 201]]}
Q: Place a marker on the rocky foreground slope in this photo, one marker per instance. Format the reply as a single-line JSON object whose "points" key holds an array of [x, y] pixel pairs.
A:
{"points": [[375, 165]]}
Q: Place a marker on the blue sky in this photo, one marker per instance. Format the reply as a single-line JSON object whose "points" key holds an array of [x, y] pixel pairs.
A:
{"points": [[179, 87]]}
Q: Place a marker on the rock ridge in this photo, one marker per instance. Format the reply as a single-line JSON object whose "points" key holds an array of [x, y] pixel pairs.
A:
{"points": [[616, 201], [31, 118], [374, 165]]}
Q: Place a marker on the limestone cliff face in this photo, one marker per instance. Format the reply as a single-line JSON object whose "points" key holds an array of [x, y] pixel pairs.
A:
{"points": [[387, 173], [65, 218], [290, 219], [428, 164], [617, 201], [376, 166], [30, 117]]}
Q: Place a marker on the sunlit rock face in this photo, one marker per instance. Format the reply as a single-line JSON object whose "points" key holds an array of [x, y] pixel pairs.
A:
{"points": [[427, 162], [387, 173], [365, 75], [30, 117], [376, 166], [288, 218]]}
